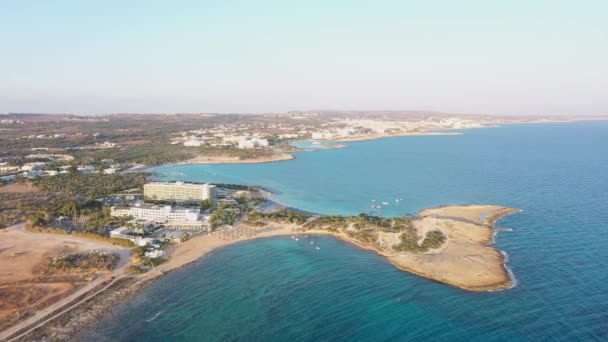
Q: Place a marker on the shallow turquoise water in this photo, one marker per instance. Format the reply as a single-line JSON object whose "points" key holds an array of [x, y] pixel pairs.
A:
{"points": [[279, 289]]}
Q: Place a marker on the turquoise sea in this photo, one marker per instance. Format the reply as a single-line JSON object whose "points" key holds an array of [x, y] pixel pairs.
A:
{"points": [[278, 289]]}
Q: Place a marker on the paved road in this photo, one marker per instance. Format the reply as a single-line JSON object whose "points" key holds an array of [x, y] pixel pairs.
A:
{"points": [[43, 314]]}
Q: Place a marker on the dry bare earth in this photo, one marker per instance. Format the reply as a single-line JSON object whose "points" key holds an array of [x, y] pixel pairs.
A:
{"points": [[18, 188], [24, 286]]}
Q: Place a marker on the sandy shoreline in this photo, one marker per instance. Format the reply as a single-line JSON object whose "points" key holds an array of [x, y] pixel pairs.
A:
{"points": [[232, 160], [470, 231], [276, 157], [384, 136], [466, 260]]}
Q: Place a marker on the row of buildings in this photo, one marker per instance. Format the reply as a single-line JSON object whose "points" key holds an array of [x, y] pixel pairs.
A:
{"points": [[240, 142], [40, 169], [169, 215]]}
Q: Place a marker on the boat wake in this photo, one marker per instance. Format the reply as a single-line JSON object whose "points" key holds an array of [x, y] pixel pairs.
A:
{"points": [[154, 317]]}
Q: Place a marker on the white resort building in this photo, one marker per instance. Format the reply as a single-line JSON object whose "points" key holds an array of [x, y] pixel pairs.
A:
{"points": [[252, 143], [179, 192], [177, 218]]}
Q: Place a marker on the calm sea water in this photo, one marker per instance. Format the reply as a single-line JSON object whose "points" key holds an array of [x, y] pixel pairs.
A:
{"points": [[279, 289]]}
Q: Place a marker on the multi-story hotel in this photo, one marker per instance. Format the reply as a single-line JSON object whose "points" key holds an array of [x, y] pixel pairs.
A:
{"points": [[179, 192], [183, 218]]}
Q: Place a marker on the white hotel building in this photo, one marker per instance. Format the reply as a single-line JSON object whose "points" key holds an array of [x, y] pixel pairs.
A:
{"points": [[178, 218], [179, 192]]}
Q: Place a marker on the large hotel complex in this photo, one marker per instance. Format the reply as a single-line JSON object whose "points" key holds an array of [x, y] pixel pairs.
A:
{"points": [[177, 218], [179, 192]]}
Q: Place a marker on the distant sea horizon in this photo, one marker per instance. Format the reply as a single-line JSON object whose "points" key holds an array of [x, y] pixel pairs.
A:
{"points": [[278, 289]]}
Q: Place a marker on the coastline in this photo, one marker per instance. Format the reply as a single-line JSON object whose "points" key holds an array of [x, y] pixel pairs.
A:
{"points": [[195, 251], [384, 136], [199, 246], [280, 155], [74, 320], [275, 157]]}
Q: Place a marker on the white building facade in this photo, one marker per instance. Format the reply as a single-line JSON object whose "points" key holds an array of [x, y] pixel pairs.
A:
{"points": [[179, 192], [179, 218]]}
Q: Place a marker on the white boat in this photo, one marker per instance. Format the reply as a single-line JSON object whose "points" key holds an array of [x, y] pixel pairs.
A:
{"points": [[312, 242], [297, 239], [385, 203], [318, 248]]}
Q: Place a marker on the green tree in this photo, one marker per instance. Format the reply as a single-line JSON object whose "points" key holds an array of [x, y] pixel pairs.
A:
{"points": [[35, 221], [206, 204]]}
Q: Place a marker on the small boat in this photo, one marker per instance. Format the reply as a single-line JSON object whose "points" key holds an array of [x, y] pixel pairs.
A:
{"points": [[318, 247], [297, 239], [292, 237], [312, 242], [385, 203]]}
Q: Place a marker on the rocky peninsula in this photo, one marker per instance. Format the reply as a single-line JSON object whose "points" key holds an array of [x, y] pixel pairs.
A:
{"points": [[450, 244]]}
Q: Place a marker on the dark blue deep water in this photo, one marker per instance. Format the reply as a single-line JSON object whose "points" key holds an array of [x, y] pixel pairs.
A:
{"points": [[279, 289]]}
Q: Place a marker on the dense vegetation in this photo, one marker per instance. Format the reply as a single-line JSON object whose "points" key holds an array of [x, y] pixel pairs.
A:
{"points": [[91, 185], [206, 204], [221, 216], [70, 195], [361, 221], [280, 216], [366, 236], [84, 262], [331, 223], [409, 241]]}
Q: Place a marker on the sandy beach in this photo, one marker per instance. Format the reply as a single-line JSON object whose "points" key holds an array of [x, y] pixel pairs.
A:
{"points": [[332, 147], [201, 245], [383, 136], [466, 260], [234, 160]]}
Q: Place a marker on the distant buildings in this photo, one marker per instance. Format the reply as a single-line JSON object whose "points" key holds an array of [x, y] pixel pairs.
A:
{"points": [[33, 166], [194, 143], [86, 169], [179, 192], [125, 233], [322, 135], [154, 254], [252, 143], [6, 168]]}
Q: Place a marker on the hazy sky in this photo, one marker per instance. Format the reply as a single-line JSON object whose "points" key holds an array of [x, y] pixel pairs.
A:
{"points": [[503, 57]]}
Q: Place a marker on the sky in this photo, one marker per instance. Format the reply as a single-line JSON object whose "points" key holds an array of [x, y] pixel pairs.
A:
{"points": [[487, 57]]}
